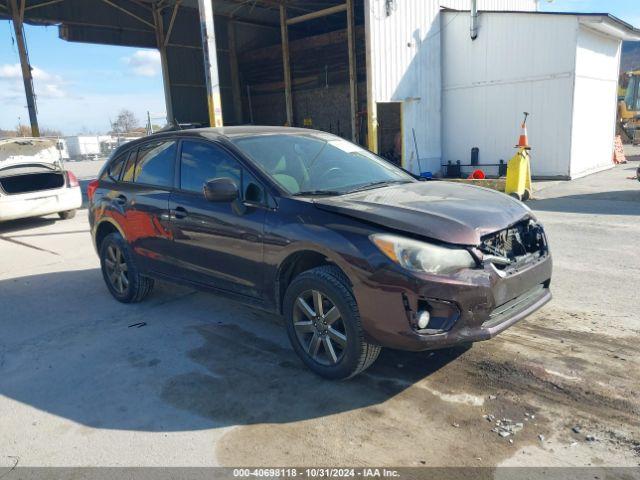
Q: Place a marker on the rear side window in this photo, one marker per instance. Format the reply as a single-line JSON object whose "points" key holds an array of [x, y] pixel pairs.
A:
{"points": [[201, 162], [154, 165], [115, 168], [129, 166]]}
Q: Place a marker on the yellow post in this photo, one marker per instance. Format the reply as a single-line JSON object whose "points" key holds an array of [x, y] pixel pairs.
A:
{"points": [[210, 62]]}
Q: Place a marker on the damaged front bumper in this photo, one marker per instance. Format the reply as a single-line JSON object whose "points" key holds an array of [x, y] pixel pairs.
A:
{"points": [[470, 306]]}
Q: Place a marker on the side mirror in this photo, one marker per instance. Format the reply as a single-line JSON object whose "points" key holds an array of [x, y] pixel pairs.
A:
{"points": [[221, 190]]}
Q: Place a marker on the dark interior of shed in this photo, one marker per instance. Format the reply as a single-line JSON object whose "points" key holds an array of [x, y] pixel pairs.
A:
{"points": [[319, 63]]}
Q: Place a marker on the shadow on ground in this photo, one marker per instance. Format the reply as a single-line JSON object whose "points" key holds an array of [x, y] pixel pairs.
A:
{"points": [[26, 223], [180, 361], [627, 202]]}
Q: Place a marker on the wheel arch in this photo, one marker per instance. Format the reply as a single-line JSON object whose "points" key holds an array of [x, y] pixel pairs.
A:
{"points": [[104, 228], [298, 262]]}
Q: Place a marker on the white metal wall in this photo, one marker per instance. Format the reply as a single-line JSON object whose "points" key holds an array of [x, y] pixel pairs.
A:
{"points": [[404, 65], [518, 63], [498, 5], [594, 113]]}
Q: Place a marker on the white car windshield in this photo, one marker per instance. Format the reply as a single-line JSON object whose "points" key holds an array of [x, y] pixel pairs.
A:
{"points": [[316, 164]]}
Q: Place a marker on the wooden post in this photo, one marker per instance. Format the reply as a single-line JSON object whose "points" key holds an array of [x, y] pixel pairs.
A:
{"points": [[235, 75], [319, 14], [353, 72], [372, 114], [162, 48], [210, 54], [285, 61], [27, 78]]}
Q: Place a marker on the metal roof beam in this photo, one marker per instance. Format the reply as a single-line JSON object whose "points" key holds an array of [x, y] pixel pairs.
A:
{"points": [[131, 14], [271, 4], [171, 22], [43, 4], [318, 14]]}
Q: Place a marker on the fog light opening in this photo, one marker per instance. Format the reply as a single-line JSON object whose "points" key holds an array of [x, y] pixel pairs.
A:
{"points": [[423, 319]]}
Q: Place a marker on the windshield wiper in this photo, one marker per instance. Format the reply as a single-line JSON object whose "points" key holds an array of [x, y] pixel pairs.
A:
{"points": [[313, 193], [373, 185]]}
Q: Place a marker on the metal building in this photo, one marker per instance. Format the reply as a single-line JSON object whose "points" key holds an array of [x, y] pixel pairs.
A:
{"points": [[563, 68]]}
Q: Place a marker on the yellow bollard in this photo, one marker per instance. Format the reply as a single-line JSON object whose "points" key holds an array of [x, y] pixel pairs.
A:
{"points": [[518, 183]]}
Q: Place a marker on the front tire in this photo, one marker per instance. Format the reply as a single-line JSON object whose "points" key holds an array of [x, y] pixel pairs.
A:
{"points": [[120, 272], [323, 324], [67, 215]]}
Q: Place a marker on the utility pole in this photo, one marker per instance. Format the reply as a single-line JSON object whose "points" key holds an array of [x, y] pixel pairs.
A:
{"points": [[17, 15]]}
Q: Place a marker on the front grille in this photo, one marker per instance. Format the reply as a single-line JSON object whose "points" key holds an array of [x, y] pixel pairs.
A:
{"points": [[521, 243], [507, 310]]}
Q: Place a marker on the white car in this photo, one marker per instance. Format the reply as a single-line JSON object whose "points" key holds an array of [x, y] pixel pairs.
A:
{"points": [[33, 181]]}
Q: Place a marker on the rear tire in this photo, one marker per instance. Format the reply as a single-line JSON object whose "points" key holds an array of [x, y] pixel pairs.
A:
{"points": [[323, 324], [120, 272], [66, 215]]}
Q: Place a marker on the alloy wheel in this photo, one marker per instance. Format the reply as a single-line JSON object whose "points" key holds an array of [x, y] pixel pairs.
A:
{"points": [[319, 327], [117, 270]]}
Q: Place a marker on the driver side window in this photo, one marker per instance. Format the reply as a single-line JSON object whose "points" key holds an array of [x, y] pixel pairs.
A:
{"points": [[201, 162]]}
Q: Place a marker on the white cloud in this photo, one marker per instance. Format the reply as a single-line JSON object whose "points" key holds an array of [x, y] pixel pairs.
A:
{"points": [[46, 84], [144, 63], [62, 106]]}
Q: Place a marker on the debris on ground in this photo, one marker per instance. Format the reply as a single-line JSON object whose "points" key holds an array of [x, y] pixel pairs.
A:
{"points": [[577, 429], [456, 425], [541, 437], [507, 427]]}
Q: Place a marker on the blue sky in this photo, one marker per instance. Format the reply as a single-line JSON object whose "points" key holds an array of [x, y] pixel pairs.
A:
{"points": [[80, 87], [627, 10]]}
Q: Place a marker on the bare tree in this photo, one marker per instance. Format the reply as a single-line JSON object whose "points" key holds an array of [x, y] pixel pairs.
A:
{"points": [[125, 122], [50, 132], [23, 131]]}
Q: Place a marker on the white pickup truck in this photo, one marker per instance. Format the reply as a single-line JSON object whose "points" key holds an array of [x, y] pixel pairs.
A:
{"points": [[33, 181]]}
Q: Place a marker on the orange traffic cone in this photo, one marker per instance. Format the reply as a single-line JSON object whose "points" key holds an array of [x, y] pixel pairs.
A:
{"points": [[523, 142]]}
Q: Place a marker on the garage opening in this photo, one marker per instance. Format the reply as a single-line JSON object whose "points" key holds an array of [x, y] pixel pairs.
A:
{"points": [[315, 41]]}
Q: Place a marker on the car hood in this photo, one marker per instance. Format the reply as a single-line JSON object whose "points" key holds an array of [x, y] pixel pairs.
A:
{"points": [[28, 151], [445, 211]]}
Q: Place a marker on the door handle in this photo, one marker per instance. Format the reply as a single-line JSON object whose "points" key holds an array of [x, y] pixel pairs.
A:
{"points": [[180, 212], [121, 200]]}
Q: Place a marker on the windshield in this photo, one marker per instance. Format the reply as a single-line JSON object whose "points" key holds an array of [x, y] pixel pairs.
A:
{"points": [[318, 164]]}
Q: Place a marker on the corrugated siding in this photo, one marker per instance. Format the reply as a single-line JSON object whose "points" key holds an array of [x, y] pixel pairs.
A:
{"points": [[508, 69], [595, 102], [405, 66]]}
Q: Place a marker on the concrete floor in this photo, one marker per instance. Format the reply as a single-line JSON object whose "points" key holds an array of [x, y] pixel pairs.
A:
{"points": [[206, 381]]}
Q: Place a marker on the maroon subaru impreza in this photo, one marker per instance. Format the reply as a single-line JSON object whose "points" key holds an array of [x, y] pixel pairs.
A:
{"points": [[355, 253]]}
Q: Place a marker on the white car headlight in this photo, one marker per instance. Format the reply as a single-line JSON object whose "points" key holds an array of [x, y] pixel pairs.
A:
{"points": [[423, 257]]}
